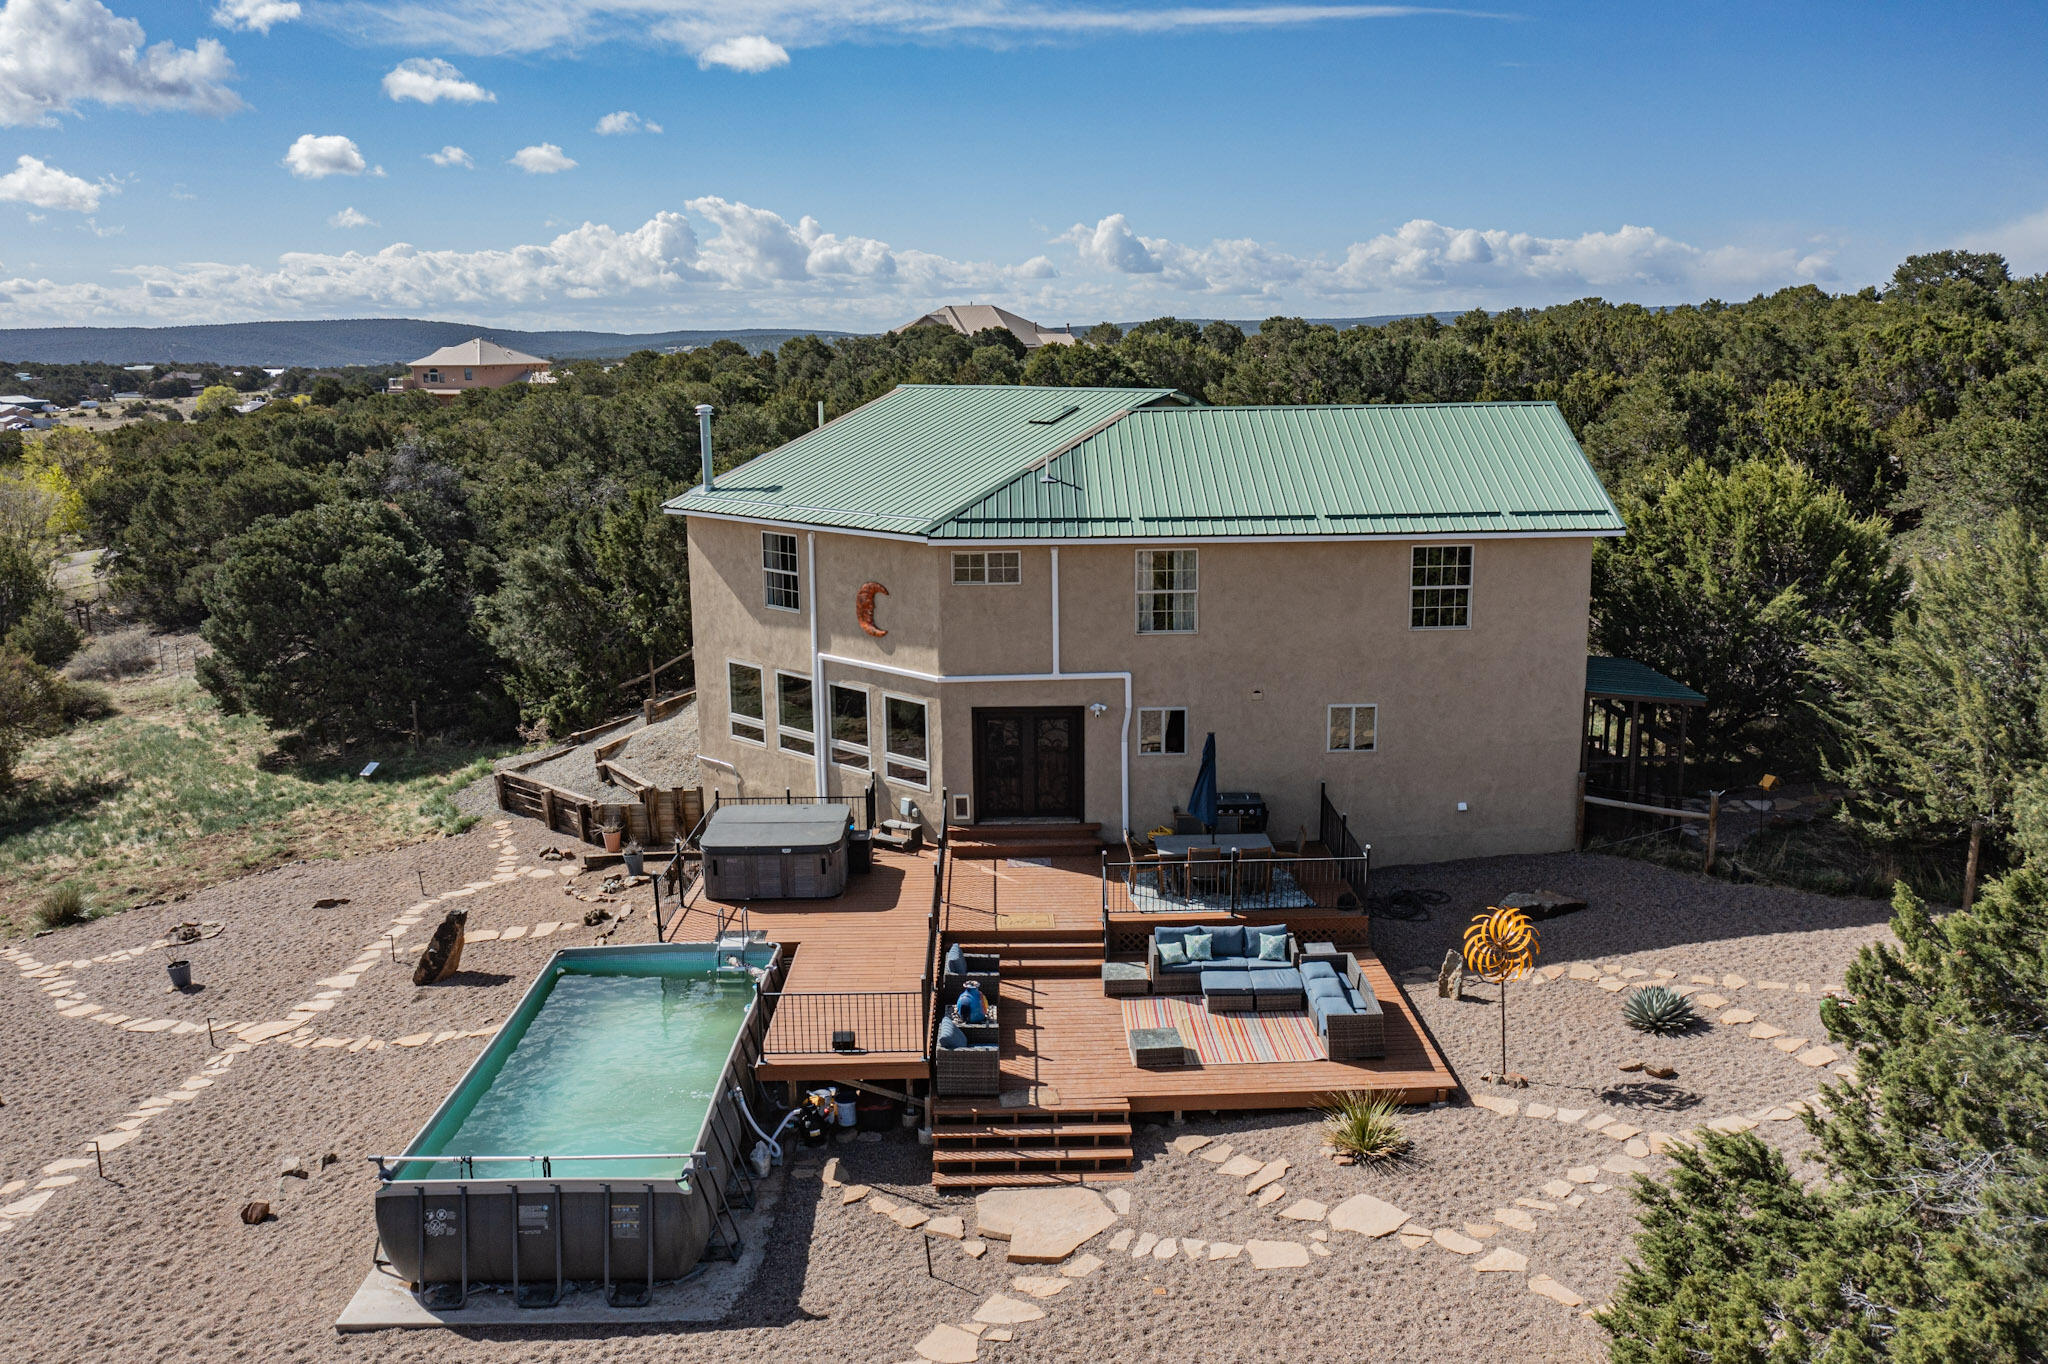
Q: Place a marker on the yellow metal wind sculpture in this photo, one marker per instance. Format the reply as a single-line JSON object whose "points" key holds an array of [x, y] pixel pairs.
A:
{"points": [[1500, 946]]}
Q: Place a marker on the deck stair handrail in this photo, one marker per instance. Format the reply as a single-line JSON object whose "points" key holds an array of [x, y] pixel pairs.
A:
{"points": [[1334, 830]]}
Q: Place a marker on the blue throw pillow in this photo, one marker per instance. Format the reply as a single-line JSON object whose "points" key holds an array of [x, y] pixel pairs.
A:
{"points": [[1230, 942], [1172, 954], [1199, 945], [951, 1035], [956, 961], [1273, 947], [1318, 970]]}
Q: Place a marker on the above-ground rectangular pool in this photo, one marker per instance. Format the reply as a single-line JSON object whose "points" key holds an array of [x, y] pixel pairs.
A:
{"points": [[600, 1124]]}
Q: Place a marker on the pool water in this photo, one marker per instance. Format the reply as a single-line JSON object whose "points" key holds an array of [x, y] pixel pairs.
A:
{"points": [[618, 1055]]}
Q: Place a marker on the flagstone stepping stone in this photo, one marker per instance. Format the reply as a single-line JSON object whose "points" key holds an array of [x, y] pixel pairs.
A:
{"points": [[1507, 1108], [1579, 970], [418, 1039], [56, 1181], [1038, 1286], [543, 930], [1316, 1249], [1612, 984], [1004, 1311], [1120, 1199], [1735, 1123], [1582, 1174], [1733, 982], [883, 1204], [263, 1032], [1268, 1255], [1319, 1234], [1122, 1240], [80, 1011], [949, 1345], [1415, 1240], [1789, 1045], [1190, 1144], [1557, 1188], [1514, 1218], [1272, 1170], [1368, 1216], [1711, 1001], [853, 1193], [1081, 1266], [1622, 1165], [1539, 1111], [829, 1176], [1192, 1248], [1637, 1147], [1480, 1231], [58, 1167], [1596, 1122], [1701, 980], [1304, 1210], [1817, 1056], [22, 1207], [1043, 1226], [1686, 991], [974, 1248], [1143, 1246], [1225, 1250], [1764, 1032], [1456, 1242], [1240, 1167], [1538, 1203], [1166, 1249], [481, 934], [1631, 973], [1501, 1260], [1272, 1194], [998, 1333], [949, 1227], [1662, 974], [1570, 1115], [1770, 985], [1219, 1153], [1778, 1115], [1735, 1018], [1551, 972], [1544, 1286]]}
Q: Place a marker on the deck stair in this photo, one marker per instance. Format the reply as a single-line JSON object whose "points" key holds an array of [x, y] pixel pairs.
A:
{"points": [[979, 1144], [995, 841], [1068, 956]]}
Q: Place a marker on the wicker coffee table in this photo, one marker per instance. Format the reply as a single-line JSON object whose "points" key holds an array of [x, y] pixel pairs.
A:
{"points": [[1154, 1048], [1125, 978]]}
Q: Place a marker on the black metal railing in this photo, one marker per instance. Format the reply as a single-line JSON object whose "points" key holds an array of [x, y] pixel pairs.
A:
{"points": [[1233, 884], [1334, 831], [863, 804], [851, 1022]]}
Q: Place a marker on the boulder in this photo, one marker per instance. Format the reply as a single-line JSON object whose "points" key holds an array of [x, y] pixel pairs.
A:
{"points": [[443, 954], [1543, 904]]}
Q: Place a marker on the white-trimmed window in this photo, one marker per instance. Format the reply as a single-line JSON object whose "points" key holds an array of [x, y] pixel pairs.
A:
{"points": [[1440, 588], [469, 376], [1354, 729], [1166, 591], [907, 741], [743, 702], [778, 571], [433, 376], [795, 716], [995, 567], [1162, 730], [850, 744]]}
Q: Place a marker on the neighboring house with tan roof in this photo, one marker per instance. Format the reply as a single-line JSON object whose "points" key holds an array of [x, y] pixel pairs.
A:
{"points": [[475, 363], [969, 318]]}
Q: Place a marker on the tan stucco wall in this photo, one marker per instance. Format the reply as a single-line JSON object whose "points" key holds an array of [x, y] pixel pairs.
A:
{"points": [[1488, 715], [487, 376]]}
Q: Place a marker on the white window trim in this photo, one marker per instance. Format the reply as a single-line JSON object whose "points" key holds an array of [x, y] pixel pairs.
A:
{"points": [[1141, 591], [781, 729], [888, 757], [1354, 707], [1161, 711], [834, 744], [985, 555], [1471, 588], [797, 573], [733, 717]]}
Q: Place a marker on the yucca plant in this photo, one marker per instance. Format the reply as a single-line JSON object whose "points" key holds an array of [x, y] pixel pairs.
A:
{"points": [[1364, 1127], [1658, 1009]]}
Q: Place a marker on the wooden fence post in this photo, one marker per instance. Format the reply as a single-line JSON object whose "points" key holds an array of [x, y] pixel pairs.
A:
{"points": [[498, 782], [547, 808], [1713, 827]]}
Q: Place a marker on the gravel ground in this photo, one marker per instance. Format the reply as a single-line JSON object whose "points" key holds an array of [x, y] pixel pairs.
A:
{"points": [[664, 753], [153, 1263]]}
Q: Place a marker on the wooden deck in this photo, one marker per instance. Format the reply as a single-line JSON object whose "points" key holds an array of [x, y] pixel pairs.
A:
{"points": [[1064, 1047]]}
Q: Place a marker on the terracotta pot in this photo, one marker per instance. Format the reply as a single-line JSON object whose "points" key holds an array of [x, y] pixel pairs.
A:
{"points": [[613, 838]]}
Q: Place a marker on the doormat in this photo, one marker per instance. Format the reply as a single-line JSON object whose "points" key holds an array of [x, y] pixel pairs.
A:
{"points": [[1034, 920]]}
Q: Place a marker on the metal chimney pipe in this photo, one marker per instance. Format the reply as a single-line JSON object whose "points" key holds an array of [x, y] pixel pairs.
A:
{"points": [[704, 442]]}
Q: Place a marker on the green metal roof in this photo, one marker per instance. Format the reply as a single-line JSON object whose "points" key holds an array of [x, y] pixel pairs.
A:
{"points": [[956, 463], [1633, 681], [1421, 469], [913, 456]]}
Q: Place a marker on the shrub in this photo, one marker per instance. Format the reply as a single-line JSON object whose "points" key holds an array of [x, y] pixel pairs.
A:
{"points": [[45, 634], [109, 658], [1365, 1126], [63, 905], [1658, 1009]]}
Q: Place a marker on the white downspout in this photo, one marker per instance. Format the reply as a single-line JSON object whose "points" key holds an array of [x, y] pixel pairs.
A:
{"points": [[1055, 610], [820, 721]]}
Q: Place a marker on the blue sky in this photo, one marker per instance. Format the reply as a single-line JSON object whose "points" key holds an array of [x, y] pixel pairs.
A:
{"points": [[851, 163]]}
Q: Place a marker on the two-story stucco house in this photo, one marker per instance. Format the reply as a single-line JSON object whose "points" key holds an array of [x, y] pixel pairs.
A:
{"points": [[475, 363], [1041, 600]]}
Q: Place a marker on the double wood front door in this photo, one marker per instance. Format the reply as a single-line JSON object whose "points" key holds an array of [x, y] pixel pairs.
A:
{"points": [[1027, 763]]}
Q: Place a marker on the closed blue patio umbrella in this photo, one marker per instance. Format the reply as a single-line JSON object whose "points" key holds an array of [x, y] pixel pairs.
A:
{"points": [[1202, 800]]}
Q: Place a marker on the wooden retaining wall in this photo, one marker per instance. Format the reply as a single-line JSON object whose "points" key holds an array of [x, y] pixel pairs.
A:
{"points": [[658, 816]]}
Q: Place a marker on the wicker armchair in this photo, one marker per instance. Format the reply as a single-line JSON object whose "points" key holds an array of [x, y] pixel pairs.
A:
{"points": [[958, 1071]]}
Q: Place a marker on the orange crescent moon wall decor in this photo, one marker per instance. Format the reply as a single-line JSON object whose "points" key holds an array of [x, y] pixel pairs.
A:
{"points": [[864, 607]]}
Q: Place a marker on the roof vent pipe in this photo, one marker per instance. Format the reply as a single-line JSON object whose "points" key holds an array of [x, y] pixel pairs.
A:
{"points": [[704, 443]]}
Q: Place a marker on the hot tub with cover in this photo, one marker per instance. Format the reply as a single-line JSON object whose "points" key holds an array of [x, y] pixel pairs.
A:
{"points": [[776, 851]]}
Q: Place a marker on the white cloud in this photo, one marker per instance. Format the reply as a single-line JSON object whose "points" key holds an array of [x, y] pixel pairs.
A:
{"points": [[452, 156], [623, 122], [749, 52], [315, 158], [2023, 242], [720, 261], [351, 217], [431, 80], [256, 15], [37, 182], [57, 54], [543, 158]]}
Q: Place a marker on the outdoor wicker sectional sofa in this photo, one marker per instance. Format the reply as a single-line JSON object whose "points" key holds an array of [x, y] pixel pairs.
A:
{"points": [[1232, 947], [1349, 1018], [968, 1057]]}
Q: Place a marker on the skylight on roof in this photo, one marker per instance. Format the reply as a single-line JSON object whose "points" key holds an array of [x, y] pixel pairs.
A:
{"points": [[1049, 418]]}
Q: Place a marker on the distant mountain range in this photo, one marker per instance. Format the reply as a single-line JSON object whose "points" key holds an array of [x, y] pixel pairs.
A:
{"points": [[352, 341], [396, 340]]}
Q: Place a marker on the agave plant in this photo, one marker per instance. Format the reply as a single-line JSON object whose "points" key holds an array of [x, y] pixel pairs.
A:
{"points": [[1658, 1009], [1363, 1126]]}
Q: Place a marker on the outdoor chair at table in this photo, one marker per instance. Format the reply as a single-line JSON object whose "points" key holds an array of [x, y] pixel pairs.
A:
{"points": [[1255, 871], [1145, 866], [1207, 872]]}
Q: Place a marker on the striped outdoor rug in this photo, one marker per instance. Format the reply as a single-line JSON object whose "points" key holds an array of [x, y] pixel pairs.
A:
{"points": [[1228, 1039]]}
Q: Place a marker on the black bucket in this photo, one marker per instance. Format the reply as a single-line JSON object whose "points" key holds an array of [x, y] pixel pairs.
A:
{"points": [[181, 975]]}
